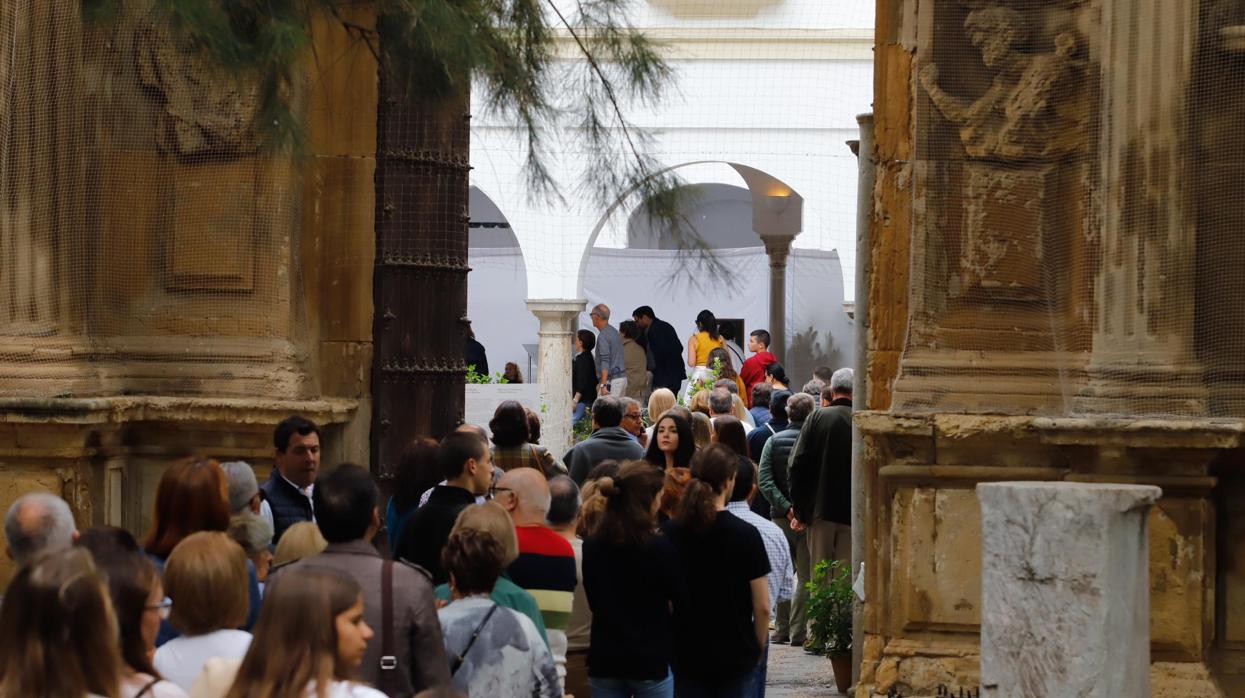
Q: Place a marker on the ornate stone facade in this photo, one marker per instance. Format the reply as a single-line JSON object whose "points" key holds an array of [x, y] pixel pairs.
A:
{"points": [[1051, 299], [166, 285]]}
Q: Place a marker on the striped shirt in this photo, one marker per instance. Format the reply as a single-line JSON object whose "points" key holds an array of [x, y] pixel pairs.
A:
{"points": [[782, 573]]}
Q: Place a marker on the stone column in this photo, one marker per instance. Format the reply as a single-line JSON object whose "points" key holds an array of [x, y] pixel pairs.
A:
{"points": [[778, 247], [1065, 589], [559, 319], [1143, 358]]}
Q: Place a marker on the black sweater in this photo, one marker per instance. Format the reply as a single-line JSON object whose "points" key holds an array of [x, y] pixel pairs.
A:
{"points": [[584, 377]]}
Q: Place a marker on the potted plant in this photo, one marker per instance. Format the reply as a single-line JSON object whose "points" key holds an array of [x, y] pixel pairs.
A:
{"points": [[830, 602]]}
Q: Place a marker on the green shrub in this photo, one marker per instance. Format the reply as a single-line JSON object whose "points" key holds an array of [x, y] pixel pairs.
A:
{"points": [[830, 603]]}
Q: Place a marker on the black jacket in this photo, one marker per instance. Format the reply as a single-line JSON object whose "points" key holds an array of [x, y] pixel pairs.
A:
{"points": [[821, 466], [781, 445], [584, 377], [474, 355], [604, 444], [429, 527], [667, 355], [289, 506]]}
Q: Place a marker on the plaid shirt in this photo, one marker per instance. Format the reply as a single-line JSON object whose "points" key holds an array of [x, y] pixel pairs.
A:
{"points": [[782, 572]]}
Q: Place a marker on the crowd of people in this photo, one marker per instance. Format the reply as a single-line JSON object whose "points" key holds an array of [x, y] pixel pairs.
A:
{"points": [[650, 560]]}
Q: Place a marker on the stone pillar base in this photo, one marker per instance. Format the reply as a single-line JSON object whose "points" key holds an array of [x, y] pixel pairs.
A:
{"points": [[559, 320]]}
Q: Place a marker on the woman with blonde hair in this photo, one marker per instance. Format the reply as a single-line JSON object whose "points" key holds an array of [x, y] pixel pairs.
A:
{"points": [[301, 540], [58, 635], [702, 429], [205, 577], [659, 402], [494, 520], [309, 641]]}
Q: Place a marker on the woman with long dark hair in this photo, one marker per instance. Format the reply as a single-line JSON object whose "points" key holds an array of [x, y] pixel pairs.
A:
{"points": [[700, 344], [724, 624], [584, 376], [58, 634], [138, 601], [721, 359], [672, 445], [512, 447], [631, 577], [417, 471], [730, 432], [309, 640]]}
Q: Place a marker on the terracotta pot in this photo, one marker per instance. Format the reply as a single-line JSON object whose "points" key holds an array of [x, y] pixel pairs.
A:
{"points": [[841, 662]]}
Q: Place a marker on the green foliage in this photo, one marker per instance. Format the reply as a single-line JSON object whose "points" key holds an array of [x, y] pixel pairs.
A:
{"points": [[706, 383], [436, 49], [474, 378], [583, 428], [830, 602]]}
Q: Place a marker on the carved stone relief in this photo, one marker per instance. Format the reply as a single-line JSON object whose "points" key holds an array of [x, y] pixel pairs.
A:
{"points": [[206, 123], [203, 112], [1017, 135]]}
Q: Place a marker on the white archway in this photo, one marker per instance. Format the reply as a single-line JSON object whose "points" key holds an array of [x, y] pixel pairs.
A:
{"points": [[497, 288]]}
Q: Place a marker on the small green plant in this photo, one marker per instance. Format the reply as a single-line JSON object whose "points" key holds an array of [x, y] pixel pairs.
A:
{"points": [[474, 378], [706, 383], [583, 428], [830, 602]]}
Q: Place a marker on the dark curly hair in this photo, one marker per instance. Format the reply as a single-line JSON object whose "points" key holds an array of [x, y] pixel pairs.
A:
{"points": [[509, 424], [588, 339]]}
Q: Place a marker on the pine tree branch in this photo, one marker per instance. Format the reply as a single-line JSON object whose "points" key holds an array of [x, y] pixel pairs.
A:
{"points": [[605, 81]]}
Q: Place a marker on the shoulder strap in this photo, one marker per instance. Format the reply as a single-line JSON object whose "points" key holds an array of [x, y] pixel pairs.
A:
{"points": [[462, 656], [147, 689], [771, 428], [390, 680]]}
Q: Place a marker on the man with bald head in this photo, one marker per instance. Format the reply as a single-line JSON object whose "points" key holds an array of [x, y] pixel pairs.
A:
{"points": [[546, 564], [38, 523]]}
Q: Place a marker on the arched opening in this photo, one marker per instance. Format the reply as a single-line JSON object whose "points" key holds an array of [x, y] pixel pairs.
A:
{"points": [[721, 214], [747, 219], [497, 289]]}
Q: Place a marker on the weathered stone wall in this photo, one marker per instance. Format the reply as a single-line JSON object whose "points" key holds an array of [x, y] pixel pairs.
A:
{"points": [[199, 288], [1113, 320]]}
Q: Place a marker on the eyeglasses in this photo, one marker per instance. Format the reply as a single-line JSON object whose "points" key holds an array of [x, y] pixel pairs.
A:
{"points": [[493, 491], [164, 607]]}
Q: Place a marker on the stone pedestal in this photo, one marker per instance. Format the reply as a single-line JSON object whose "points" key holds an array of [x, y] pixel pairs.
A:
{"points": [[558, 323], [1065, 591]]}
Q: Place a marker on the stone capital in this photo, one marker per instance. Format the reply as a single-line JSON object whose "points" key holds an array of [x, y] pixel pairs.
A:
{"points": [[557, 315]]}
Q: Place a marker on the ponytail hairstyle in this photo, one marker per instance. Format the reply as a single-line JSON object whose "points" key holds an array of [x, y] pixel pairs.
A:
{"points": [[707, 323], [628, 516], [713, 470]]}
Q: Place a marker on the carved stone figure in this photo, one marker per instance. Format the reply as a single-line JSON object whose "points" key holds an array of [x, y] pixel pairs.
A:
{"points": [[202, 113], [1020, 117]]}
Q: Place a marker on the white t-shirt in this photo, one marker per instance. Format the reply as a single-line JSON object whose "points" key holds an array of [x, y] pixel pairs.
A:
{"points": [[346, 689], [181, 659], [132, 686]]}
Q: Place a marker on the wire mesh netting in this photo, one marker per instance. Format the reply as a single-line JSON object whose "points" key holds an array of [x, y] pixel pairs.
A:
{"points": [[151, 243], [1075, 243]]}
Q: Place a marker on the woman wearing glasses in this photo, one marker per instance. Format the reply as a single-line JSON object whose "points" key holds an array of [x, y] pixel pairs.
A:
{"points": [[139, 603]]}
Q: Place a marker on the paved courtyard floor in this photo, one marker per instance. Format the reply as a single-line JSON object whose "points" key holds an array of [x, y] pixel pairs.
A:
{"points": [[794, 673]]}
